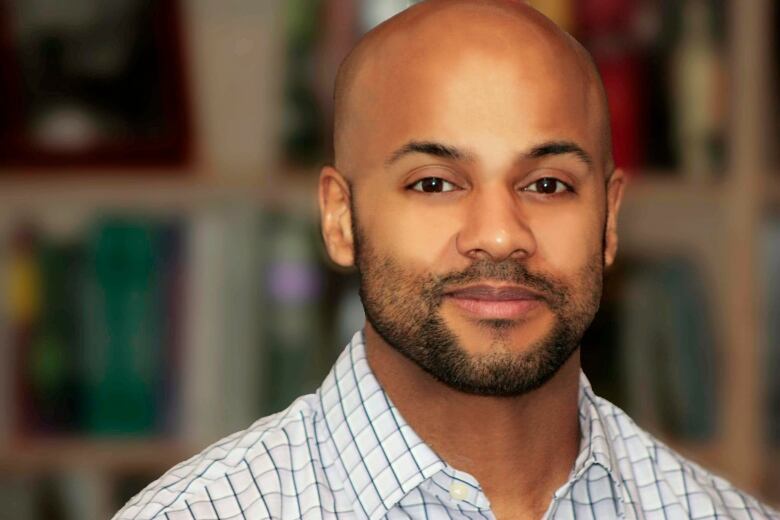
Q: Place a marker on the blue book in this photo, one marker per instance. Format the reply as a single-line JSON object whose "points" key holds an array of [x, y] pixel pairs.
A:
{"points": [[668, 350]]}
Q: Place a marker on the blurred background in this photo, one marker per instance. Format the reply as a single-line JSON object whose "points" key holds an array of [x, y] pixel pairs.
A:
{"points": [[162, 279]]}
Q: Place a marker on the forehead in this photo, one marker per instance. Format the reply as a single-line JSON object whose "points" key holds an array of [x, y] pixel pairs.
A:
{"points": [[472, 87]]}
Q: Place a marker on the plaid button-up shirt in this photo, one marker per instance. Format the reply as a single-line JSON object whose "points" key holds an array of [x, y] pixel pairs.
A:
{"points": [[346, 452]]}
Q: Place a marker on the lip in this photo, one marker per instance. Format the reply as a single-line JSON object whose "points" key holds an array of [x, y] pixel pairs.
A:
{"points": [[493, 292], [495, 302]]}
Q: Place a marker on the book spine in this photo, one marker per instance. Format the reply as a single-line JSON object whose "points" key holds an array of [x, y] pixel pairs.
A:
{"points": [[173, 294], [122, 357], [771, 349], [24, 303], [697, 92], [293, 329], [7, 393], [204, 326]]}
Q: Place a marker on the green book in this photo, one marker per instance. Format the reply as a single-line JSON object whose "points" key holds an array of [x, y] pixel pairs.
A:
{"points": [[123, 311]]}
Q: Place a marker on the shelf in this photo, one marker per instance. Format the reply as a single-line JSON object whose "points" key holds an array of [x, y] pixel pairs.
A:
{"points": [[663, 215], [671, 187], [164, 193], [114, 456], [773, 192]]}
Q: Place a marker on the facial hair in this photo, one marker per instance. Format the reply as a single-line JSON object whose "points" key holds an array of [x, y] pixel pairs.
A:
{"points": [[404, 308]]}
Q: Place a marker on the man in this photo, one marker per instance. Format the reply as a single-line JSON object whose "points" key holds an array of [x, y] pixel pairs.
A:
{"points": [[474, 190]]}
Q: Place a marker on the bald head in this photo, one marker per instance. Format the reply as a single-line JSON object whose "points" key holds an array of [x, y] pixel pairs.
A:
{"points": [[431, 38]]}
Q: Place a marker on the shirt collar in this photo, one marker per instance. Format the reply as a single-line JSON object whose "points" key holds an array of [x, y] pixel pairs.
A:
{"points": [[383, 459], [595, 446]]}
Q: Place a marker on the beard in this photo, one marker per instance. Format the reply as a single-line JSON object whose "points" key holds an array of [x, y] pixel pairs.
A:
{"points": [[404, 308]]}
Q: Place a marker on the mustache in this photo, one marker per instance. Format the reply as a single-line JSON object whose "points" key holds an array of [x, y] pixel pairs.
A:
{"points": [[507, 271]]}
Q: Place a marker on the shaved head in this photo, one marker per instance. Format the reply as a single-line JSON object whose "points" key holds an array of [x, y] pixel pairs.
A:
{"points": [[430, 34]]}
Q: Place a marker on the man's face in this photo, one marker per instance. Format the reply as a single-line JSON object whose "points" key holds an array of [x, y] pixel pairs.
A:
{"points": [[491, 355], [479, 212]]}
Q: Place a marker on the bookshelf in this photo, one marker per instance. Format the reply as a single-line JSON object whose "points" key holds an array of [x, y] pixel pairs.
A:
{"points": [[103, 456], [714, 223], [772, 191], [160, 194]]}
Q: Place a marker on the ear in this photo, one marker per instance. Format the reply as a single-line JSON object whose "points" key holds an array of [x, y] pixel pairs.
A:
{"points": [[336, 216], [615, 188]]}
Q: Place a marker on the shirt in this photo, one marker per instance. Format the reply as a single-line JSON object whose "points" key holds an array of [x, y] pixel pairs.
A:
{"points": [[346, 452]]}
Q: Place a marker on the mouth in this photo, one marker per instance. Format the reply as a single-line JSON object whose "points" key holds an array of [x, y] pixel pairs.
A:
{"points": [[494, 302]]}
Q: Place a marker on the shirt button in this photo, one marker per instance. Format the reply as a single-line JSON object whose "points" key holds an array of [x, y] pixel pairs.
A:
{"points": [[459, 491]]}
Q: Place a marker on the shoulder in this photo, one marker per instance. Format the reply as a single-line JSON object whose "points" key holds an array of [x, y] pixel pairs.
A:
{"points": [[655, 476], [249, 471]]}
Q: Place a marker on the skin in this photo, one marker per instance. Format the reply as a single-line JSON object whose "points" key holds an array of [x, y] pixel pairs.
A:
{"points": [[492, 79]]}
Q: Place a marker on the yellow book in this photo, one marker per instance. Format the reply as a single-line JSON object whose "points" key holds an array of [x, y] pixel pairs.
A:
{"points": [[559, 11]]}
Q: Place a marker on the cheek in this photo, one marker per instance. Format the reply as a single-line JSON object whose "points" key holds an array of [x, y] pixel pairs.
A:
{"points": [[410, 233], [567, 241]]}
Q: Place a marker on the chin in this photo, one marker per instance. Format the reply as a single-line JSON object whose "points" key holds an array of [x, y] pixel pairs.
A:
{"points": [[497, 336]]}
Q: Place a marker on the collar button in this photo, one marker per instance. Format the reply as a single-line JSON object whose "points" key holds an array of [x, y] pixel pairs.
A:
{"points": [[459, 491]]}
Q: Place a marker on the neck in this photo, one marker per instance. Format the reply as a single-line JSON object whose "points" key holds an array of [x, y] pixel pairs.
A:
{"points": [[520, 449]]}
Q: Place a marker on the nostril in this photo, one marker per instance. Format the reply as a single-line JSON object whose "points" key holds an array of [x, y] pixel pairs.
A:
{"points": [[495, 255], [519, 253], [477, 254]]}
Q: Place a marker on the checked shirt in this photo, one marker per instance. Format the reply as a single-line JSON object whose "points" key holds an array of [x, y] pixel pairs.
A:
{"points": [[345, 452]]}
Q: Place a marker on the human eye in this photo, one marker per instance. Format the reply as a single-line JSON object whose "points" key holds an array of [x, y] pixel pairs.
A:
{"points": [[548, 186], [432, 185]]}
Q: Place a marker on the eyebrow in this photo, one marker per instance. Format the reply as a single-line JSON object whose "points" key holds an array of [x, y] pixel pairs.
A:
{"points": [[546, 149], [428, 148], [560, 148]]}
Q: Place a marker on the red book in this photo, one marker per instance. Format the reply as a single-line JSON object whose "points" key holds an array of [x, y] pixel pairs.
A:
{"points": [[622, 76]]}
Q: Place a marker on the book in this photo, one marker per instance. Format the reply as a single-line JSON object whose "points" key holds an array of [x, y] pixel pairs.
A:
{"points": [[668, 350], [223, 365], [293, 328], [7, 391], [51, 357], [204, 328], [770, 351], [24, 309], [697, 74], [123, 328], [561, 12]]}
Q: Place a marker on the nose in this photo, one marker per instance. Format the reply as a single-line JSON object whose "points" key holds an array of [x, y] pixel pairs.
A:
{"points": [[495, 227]]}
